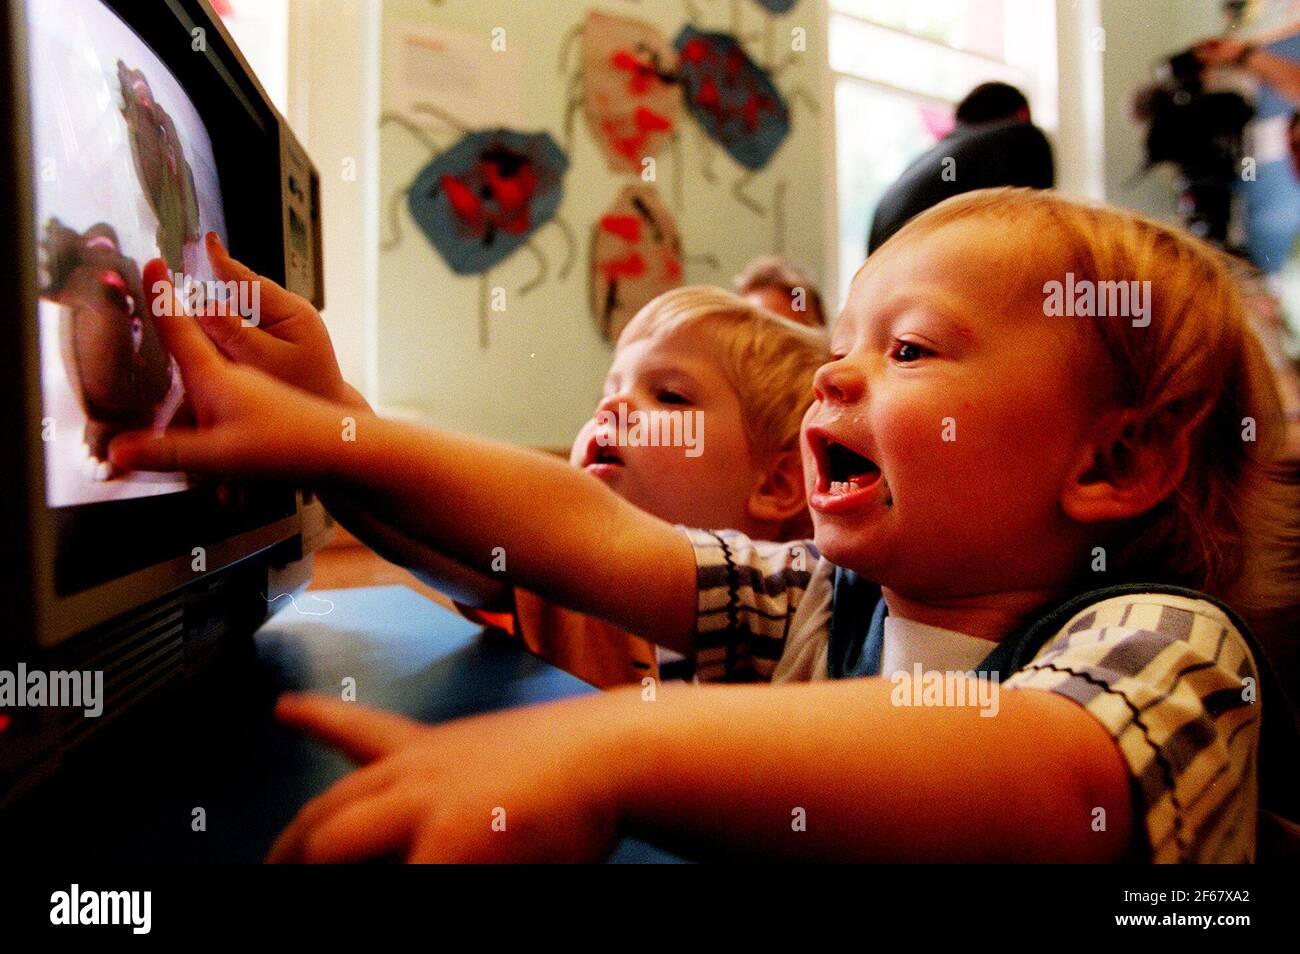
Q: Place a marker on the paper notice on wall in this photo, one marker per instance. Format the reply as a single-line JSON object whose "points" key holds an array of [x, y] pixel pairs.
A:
{"points": [[475, 77]]}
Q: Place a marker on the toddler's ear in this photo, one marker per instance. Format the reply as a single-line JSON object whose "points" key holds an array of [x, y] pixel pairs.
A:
{"points": [[1135, 461], [781, 495]]}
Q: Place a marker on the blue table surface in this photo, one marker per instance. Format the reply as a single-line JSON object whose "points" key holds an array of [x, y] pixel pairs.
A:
{"points": [[405, 653], [412, 656]]}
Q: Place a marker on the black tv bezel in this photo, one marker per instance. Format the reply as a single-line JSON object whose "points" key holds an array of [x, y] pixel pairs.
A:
{"points": [[85, 564]]}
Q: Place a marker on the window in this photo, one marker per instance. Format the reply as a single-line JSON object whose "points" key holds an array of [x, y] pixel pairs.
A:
{"points": [[899, 70]]}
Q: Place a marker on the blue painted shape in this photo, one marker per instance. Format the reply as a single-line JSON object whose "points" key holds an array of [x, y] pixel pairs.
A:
{"points": [[483, 198], [732, 98], [407, 654]]}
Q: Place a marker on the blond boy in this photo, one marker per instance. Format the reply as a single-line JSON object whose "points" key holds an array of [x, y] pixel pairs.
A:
{"points": [[698, 424]]}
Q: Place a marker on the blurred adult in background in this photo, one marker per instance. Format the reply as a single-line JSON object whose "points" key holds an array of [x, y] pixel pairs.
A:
{"points": [[994, 143], [1278, 72], [1281, 74], [773, 283]]}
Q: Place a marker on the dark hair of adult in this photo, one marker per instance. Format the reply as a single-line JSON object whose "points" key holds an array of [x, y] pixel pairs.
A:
{"points": [[991, 103]]}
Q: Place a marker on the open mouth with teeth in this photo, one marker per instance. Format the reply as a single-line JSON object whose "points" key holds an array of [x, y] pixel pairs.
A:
{"points": [[846, 470], [843, 475]]}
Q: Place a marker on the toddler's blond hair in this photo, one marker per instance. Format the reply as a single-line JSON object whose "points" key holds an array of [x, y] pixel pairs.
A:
{"points": [[768, 360]]}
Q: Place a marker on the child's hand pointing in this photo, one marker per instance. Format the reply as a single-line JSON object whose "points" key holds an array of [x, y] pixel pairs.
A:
{"points": [[532, 784], [248, 425], [287, 340]]}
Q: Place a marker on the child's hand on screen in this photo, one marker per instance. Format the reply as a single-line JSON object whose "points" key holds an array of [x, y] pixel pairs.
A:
{"points": [[247, 423], [531, 785], [287, 338]]}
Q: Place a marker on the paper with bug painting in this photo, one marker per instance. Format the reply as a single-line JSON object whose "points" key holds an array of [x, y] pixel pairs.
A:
{"points": [[636, 255], [631, 100]]}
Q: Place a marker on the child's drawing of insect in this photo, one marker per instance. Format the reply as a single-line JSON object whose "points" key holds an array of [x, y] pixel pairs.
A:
{"points": [[632, 86], [484, 198]]}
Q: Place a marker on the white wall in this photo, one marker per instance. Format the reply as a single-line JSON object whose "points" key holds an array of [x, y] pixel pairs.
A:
{"points": [[334, 110], [1139, 33], [1079, 146], [261, 30]]}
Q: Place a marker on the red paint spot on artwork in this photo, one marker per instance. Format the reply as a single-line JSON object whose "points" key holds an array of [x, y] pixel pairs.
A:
{"points": [[633, 147], [463, 201], [647, 120], [672, 269], [755, 105], [734, 65], [640, 75], [695, 50], [629, 147], [626, 227], [708, 96], [509, 188], [631, 265]]}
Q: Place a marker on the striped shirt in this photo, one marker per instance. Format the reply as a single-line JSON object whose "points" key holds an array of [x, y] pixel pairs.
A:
{"points": [[1168, 676]]}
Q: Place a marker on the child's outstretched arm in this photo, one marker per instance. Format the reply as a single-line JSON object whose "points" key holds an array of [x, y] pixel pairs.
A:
{"points": [[830, 771], [557, 531], [447, 576]]}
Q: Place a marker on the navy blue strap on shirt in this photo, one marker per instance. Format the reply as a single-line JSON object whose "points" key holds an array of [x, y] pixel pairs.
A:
{"points": [[857, 631], [857, 635]]}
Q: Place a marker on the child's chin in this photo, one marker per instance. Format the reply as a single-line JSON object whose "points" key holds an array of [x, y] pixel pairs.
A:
{"points": [[846, 546]]}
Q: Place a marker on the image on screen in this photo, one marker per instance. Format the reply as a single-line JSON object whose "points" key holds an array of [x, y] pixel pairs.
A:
{"points": [[124, 173]]}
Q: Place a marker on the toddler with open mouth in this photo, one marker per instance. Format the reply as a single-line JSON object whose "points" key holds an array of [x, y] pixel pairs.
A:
{"points": [[1072, 509], [697, 368]]}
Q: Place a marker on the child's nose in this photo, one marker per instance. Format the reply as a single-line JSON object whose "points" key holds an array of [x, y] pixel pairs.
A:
{"points": [[838, 383], [610, 402]]}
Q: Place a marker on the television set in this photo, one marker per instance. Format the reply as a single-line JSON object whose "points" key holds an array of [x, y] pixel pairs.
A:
{"points": [[133, 128]]}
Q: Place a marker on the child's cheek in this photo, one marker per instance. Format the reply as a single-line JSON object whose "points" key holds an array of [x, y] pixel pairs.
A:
{"points": [[579, 449], [655, 472], [914, 457]]}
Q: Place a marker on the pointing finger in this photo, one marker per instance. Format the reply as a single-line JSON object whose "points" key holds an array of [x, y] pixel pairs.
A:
{"points": [[277, 303], [361, 733], [196, 355]]}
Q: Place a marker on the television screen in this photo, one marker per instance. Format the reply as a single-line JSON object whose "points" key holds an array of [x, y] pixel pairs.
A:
{"points": [[124, 172]]}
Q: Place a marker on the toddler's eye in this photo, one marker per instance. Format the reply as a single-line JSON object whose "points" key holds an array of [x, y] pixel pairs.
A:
{"points": [[907, 352], [672, 397]]}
